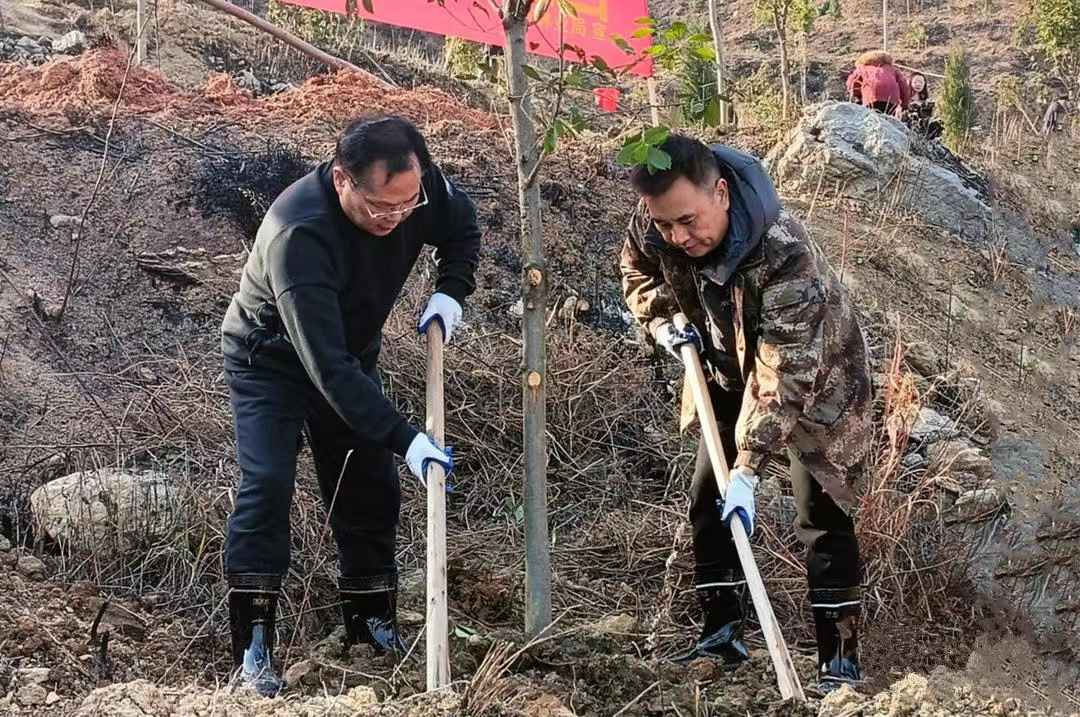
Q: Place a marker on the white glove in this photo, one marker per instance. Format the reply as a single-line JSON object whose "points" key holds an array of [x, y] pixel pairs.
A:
{"points": [[445, 310], [739, 499], [422, 451], [671, 338]]}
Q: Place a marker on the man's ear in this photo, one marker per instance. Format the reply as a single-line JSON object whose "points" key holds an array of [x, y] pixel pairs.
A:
{"points": [[723, 194], [341, 178]]}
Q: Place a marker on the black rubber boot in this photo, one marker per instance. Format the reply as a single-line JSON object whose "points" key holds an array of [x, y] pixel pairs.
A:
{"points": [[724, 608], [252, 612], [837, 626], [369, 609]]}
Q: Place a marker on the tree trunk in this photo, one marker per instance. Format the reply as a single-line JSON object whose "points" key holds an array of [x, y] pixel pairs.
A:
{"points": [[718, 47], [804, 67], [534, 290], [780, 22]]}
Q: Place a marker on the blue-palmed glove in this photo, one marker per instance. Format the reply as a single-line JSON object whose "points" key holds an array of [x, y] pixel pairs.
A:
{"points": [[444, 309], [739, 499], [422, 451], [671, 338]]}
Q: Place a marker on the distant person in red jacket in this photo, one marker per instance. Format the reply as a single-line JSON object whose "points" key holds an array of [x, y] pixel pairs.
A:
{"points": [[879, 84]]}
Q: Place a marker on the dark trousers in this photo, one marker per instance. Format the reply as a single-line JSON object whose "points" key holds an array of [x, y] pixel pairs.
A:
{"points": [[357, 479], [832, 560], [885, 107]]}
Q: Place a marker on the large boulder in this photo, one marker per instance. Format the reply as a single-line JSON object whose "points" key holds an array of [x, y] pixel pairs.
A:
{"points": [[87, 507], [875, 158]]}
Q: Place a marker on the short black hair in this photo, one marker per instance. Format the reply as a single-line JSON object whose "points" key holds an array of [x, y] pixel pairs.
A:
{"points": [[380, 138], [689, 158]]}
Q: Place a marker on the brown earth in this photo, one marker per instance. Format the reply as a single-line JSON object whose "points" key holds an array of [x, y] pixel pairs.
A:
{"points": [[129, 375]]}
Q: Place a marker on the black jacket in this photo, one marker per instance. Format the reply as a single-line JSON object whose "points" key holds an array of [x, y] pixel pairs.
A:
{"points": [[316, 291]]}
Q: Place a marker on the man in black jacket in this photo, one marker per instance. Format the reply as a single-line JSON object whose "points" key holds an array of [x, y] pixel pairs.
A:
{"points": [[301, 341]]}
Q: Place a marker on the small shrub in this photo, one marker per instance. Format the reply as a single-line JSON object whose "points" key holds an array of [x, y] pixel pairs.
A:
{"points": [[958, 109], [916, 36]]}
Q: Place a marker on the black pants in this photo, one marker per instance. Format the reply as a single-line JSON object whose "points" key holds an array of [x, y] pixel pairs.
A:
{"points": [[271, 412], [885, 107], [828, 532]]}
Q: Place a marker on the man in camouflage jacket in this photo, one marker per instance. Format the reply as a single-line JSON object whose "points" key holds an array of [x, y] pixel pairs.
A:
{"points": [[789, 372]]}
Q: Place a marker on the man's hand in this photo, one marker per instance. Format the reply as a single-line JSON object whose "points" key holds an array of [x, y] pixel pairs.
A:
{"points": [[445, 310], [671, 338], [740, 498], [422, 451]]}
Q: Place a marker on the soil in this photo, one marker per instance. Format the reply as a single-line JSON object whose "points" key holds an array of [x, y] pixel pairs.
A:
{"points": [[129, 374]]}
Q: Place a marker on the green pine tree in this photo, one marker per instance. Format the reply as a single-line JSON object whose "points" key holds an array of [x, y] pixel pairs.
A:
{"points": [[958, 109]]}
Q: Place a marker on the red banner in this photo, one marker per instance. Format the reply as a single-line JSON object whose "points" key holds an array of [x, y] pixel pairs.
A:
{"points": [[476, 20], [338, 6]]}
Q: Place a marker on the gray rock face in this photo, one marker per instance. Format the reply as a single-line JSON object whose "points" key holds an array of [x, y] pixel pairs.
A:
{"points": [[72, 43], [875, 157]]}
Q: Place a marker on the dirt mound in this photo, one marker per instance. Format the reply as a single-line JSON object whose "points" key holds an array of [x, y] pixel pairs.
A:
{"points": [[347, 94], [91, 84]]}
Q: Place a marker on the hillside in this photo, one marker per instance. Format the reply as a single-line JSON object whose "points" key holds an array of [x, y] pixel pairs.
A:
{"points": [[129, 377]]}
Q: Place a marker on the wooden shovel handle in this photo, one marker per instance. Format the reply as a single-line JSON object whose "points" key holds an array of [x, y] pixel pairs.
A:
{"points": [[786, 676], [438, 641]]}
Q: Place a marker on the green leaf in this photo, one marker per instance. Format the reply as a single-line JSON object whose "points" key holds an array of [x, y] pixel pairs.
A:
{"points": [[644, 21], [643, 32], [531, 71], [712, 113], [519, 513], [568, 8], [551, 138], [626, 154], [678, 30], [540, 9], [658, 159], [623, 44], [367, 6], [600, 64], [656, 135], [704, 52], [655, 50], [640, 153], [700, 38], [464, 632]]}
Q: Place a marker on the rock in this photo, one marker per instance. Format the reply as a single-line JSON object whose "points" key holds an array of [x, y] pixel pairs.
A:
{"points": [[517, 309], [248, 80], [958, 456], [86, 506], [913, 461], [615, 625], [58, 221], [5, 544], [27, 46], [72, 43], [281, 87], [125, 699], [33, 675], [840, 702], [31, 695], [908, 693], [980, 499], [863, 151], [52, 698], [932, 426], [547, 706], [297, 672], [923, 358], [408, 617], [31, 567]]}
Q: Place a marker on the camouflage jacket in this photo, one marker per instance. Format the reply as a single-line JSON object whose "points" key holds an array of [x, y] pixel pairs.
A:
{"points": [[800, 351]]}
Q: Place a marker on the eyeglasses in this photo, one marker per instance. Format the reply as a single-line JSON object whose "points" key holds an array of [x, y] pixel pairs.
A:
{"points": [[392, 212]]}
